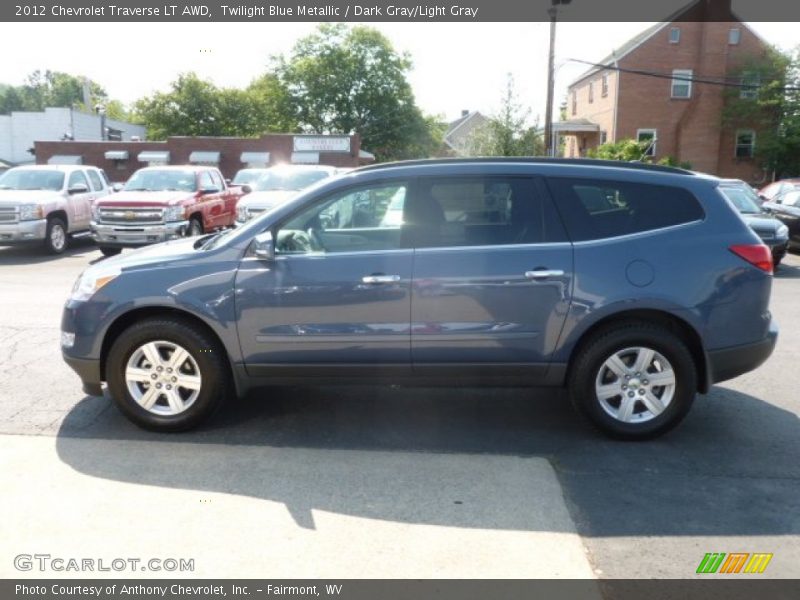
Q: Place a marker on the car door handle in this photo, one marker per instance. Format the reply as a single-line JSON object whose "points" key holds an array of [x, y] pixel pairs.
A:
{"points": [[543, 273], [380, 279]]}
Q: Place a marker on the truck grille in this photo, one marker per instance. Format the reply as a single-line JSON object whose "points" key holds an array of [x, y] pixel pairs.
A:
{"points": [[130, 216], [8, 215]]}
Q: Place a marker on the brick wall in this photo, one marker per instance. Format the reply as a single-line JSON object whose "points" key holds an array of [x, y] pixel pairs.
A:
{"points": [[180, 148]]}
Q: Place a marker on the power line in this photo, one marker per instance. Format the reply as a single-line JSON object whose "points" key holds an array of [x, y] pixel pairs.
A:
{"points": [[679, 77]]}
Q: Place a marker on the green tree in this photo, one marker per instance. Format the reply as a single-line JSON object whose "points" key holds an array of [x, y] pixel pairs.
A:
{"points": [[351, 80], [629, 150], [197, 107], [507, 132], [770, 104]]}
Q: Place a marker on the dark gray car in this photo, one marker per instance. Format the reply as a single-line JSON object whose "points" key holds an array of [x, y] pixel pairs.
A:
{"points": [[771, 231], [634, 286]]}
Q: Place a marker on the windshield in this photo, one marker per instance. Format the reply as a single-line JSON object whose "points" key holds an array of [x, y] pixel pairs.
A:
{"points": [[247, 176], [32, 179], [155, 180], [288, 180], [743, 198]]}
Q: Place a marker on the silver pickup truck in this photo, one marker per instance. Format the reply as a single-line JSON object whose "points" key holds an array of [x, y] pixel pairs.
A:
{"points": [[48, 203]]}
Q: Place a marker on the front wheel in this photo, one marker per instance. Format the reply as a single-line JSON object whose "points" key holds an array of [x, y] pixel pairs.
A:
{"points": [[55, 239], [110, 250], [195, 227], [167, 374], [636, 381]]}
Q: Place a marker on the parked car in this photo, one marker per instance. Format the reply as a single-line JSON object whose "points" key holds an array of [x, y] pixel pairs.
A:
{"points": [[164, 203], [773, 191], [248, 176], [47, 204], [277, 185], [617, 281], [786, 208], [771, 231]]}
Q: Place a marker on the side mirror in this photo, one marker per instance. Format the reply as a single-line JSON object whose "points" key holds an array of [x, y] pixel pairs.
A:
{"points": [[264, 246], [246, 189], [117, 187], [78, 188]]}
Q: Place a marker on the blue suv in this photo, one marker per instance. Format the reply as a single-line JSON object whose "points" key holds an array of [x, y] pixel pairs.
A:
{"points": [[633, 286]]}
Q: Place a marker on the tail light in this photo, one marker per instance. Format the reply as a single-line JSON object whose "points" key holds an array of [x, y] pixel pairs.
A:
{"points": [[757, 255]]}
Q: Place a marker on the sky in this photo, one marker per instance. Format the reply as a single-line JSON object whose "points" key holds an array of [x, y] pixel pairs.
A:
{"points": [[457, 66]]}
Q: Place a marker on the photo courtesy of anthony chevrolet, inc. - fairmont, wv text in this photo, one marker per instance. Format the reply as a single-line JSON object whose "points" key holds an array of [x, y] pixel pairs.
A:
{"points": [[324, 298]]}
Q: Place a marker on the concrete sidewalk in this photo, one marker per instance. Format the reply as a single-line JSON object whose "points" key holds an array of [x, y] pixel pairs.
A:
{"points": [[260, 511]]}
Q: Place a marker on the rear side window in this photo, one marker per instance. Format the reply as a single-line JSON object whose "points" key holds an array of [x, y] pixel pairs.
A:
{"points": [[97, 184], [597, 209], [480, 211]]}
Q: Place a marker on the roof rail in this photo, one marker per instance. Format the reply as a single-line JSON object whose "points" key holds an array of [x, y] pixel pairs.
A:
{"points": [[595, 162]]}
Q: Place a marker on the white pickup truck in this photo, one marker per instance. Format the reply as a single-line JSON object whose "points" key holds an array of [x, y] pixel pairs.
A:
{"points": [[48, 203]]}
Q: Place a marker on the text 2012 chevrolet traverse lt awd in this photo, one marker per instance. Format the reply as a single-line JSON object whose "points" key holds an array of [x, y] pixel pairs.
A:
{"points": [[633, 286]]}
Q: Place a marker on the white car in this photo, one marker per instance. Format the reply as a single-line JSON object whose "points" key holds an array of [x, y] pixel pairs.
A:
{"points": [[277, 185], [48, 203]]}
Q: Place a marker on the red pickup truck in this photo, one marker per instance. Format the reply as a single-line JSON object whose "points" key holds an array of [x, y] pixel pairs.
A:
{"points": [[164, 203]]}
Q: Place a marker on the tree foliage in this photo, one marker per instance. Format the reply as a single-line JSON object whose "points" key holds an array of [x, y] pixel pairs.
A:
{"points": [[351, 80], [43, 89], [772, 109], [630, 150], [507, 132]]}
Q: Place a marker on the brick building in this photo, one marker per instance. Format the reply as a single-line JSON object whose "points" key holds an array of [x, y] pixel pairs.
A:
{"points": [[679, 117], [121, 159]]}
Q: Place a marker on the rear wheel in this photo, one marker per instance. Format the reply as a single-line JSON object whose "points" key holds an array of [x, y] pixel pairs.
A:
{"points": [[110, 250], [636, 381], [167, 374], [55, 239]]}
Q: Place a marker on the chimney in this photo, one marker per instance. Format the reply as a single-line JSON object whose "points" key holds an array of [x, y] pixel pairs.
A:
{"points": [[464, 113]]}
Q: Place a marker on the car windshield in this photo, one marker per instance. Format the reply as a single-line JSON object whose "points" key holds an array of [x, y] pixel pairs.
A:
{"points": [[247, 176], [791, 199], [288, 179], [157, 180], [32, 179], [743, 198]]}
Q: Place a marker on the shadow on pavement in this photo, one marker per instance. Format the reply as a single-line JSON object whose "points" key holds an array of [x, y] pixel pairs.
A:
{"points": [[34, 253], [730, 469]]}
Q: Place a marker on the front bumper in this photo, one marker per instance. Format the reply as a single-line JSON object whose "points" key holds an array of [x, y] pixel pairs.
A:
{"points": [[126, 236], [88, 369], [23, 232], [728, 363]]}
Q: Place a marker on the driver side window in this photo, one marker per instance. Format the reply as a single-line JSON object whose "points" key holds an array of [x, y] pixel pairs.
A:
{"points": [[360, 219]]}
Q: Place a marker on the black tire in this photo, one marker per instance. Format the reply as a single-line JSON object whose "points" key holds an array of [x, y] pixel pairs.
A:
{"points": [[56, 238], [195, 227], [588, 367], [110, 250], [206, 353]]}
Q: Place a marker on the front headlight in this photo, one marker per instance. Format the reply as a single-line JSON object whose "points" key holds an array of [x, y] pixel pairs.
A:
{"points": [[30, 212], [241, 213], [91, 281], [173, 213], [782, 231]]}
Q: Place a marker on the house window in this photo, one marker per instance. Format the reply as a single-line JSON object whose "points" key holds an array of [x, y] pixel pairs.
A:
{"points": [[604, 85], [574, 103], [745, 143], [647, 136], [682, 83], [603, 137], [674, 35], [750, 83], [734, 35], [591, 92]]}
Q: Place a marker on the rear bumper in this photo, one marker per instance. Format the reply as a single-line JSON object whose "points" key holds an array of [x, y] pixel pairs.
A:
{"points": [[728, 363], [126, 236], [23, 232]]}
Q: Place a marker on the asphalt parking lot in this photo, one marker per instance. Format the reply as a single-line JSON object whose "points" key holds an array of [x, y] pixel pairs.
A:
{"points": [[390, 482]]}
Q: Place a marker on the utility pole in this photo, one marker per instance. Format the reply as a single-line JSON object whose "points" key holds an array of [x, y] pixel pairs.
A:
{"points": [[548, 113]]}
